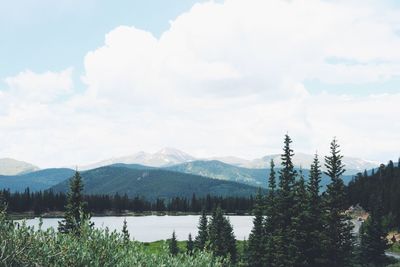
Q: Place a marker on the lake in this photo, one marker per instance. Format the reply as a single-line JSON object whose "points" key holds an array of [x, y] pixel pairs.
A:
{"points": [[153, 228]]}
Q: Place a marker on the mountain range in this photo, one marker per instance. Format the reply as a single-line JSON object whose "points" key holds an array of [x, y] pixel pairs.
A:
{"points": [[170, 156], [164, 157], [165, 168]]}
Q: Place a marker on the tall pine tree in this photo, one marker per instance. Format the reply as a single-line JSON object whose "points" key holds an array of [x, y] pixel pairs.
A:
{"points": [[74, 210], [300, 221], [222, 239], [338, 242], [256, 239], [284, 249], [315, 223], [202, 235], [270, 222]]}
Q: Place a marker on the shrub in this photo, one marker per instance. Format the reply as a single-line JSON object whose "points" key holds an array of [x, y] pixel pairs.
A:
{"points": [[21, 245]]}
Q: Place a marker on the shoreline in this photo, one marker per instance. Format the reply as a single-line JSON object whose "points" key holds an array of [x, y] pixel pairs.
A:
{"points": [[59, 214]]}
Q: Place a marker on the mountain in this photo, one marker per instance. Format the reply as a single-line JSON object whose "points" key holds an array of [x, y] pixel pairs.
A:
{"points": [[231, 160], [170, 156], [353, 165], [13, 167], [153, 183], [220, 170], [38, 180], [164, 157], [254, 177]]}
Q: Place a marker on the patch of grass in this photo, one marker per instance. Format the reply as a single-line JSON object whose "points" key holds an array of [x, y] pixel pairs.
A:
{"points": [[156, 246], [395, 248]]}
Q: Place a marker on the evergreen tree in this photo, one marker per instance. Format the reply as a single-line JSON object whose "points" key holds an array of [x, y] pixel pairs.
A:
{"points": [[222, 239], [125, 232], [373, 240], [284, 249], [190, 245], [270, 222], [173, 245], [338, 243], [315, 220], [3, 207], [202, 236], [386, 185], [3, 204], [300, 221], [244, 259], [74, 210], [256, 238]]}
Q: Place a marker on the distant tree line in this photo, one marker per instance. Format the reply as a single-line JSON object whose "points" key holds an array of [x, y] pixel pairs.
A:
{"points": [[379, 186], [49, 201]]}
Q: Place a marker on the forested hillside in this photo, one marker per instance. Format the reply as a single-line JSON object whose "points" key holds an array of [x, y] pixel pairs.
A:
{"points": [[381, 188], [155, 183], [36, 181]]}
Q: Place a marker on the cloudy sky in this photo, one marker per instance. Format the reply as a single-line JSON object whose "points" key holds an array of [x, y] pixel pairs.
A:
{"points": [[81, 81]]}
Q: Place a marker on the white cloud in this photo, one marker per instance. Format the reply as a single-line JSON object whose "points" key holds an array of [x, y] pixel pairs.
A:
{"points": [[226, 78], [44, 87]]}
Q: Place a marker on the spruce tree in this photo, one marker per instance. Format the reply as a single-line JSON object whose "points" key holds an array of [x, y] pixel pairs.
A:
{"points": [[3, 204], [173, 245], [3, 207], [315, 222], [189, 245], [222, 239], [270, 222], [202, 235], [256, 239], [338, 242], [125, 232], [373, 242], [300, 220], [284, 249], [74, 210]]}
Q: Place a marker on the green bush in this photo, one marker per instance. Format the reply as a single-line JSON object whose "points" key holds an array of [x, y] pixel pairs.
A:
{"points": [[21, 245]]}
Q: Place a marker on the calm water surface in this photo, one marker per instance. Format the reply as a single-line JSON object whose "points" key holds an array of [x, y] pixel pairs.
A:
{"points": [[152, 228]]}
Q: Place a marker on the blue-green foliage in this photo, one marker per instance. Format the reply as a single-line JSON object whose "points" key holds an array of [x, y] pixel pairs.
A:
{"points": [[25, 246], [153, 183], [36, 181]]}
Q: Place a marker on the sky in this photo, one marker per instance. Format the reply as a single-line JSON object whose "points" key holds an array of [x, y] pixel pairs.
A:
{"points": [[82, 81]]}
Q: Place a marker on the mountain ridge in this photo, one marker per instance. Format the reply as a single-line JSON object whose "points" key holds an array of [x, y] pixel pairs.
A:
{"points": [[154, 183], [9, 166], [169, 156]]}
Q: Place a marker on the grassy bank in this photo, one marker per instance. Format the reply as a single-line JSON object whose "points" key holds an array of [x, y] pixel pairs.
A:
{"points": [[156, 246]]}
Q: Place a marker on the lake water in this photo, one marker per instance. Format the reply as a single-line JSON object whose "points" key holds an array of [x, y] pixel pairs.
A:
{"points": [[153, 228]]}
